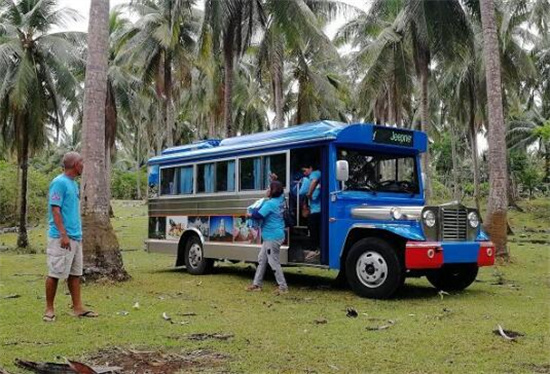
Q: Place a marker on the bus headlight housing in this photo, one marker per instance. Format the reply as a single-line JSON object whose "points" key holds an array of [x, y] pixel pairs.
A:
{"points": [[473, 219], [396, 213], [429, 218]]}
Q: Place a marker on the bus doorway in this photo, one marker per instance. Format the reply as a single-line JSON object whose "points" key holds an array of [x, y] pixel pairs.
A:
{"points": [[306, 197]]}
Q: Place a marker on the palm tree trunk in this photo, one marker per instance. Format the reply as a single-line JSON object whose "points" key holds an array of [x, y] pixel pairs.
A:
{"points": [[111, 118], [22, 238], [138, 154], [425, 123], [547, 164], [277, 65], [472, 127], [496, 221], [169, 104], [228, 51], [454, 157], [102, 258]]}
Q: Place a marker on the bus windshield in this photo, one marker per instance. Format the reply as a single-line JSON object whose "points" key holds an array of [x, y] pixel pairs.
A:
{"points": [[377, 172]]}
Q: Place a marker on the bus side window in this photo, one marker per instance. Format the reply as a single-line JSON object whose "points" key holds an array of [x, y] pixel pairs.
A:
{"points": [[250, 174], [275, 164], [168, 181], [225, 176], [205, 177], [186, 180]]}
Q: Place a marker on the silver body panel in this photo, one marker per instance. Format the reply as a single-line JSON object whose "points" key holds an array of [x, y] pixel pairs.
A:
{"points": [[227, 251], [383, 213], [219, 204]]}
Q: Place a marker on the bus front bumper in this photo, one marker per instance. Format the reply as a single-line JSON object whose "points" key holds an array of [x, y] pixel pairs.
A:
{"points": [[433, 255]]}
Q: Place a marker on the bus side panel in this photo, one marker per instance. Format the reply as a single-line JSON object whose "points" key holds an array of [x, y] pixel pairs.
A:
{"points": [[337, 227]]}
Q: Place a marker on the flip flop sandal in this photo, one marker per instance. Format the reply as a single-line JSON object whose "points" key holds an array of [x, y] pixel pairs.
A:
{"points": [[88, 314], [47, 318]]}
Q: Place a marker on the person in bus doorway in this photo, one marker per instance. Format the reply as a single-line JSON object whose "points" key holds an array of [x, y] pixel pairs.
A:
{"points": [[273, 234], [311, 188]]}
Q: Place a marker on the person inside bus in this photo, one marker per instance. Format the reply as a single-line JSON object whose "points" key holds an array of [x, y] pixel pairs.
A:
{"points": [[311, 188], [273, 234]]}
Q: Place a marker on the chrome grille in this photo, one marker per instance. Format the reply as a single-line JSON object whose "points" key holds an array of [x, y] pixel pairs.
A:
{"points": [[455, 221]]}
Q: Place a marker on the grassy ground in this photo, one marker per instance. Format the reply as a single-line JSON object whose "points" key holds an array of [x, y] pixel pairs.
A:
{"points": [[429, 334]]}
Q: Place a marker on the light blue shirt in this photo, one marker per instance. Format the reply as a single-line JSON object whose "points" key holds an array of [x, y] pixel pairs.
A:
{"points": [[315, 202], [273, 224], [64, 193]]}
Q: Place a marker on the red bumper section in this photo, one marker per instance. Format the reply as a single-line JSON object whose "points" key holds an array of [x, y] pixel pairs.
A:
{"points": [[429, 255]]}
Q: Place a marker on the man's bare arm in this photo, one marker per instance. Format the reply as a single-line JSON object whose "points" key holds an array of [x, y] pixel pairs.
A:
{"points": [[58, 220], [312, 186]]}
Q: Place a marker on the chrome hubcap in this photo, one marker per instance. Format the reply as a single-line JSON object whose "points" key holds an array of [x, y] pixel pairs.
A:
{"points": [[372, 269], [195, 255]]}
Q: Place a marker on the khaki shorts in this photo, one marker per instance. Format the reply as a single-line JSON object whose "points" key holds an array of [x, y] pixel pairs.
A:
{"points": [[64, 262]]}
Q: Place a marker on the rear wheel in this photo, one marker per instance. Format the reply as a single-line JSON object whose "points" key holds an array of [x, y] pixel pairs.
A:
{"points": [[195, 262], [453, 277], [373, 269]]}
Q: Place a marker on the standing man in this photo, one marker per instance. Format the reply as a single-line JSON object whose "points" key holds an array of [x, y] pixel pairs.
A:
{"points": [[64, 249], [311, 188]]}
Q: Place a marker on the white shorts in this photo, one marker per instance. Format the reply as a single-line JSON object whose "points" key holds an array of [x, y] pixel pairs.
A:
{"points": [[64, 262]]}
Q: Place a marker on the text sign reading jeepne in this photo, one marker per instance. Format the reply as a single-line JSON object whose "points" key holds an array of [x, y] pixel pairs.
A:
{"points": [[393, 136]]}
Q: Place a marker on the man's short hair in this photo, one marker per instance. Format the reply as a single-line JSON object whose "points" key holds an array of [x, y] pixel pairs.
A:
{"points": [[70, 159]]}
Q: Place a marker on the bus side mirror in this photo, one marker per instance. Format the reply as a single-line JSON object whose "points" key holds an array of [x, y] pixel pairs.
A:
{"points": [[342, 170]]}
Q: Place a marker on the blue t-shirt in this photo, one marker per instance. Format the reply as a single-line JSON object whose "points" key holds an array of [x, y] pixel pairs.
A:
{"points": [[315, 201], [273, 224], [65, 194]]}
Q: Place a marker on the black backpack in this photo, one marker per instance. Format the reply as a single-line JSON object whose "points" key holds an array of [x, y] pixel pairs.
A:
{"points": [[288, 217]]}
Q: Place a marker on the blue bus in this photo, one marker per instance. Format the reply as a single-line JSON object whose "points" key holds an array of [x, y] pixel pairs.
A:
{"points": [[375, 227]]}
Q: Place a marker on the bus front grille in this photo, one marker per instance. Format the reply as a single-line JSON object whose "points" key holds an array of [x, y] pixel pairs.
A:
{"points": [[455, 221]]}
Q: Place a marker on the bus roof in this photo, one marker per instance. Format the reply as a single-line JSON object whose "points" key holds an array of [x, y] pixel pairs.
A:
{"points": [[315, 132]]}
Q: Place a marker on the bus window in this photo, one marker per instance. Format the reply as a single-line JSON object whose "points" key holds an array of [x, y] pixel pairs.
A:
{"points": [[250, 174], [275, 164], [205, 178], [186, 180], [225, 176], [168, 181]]}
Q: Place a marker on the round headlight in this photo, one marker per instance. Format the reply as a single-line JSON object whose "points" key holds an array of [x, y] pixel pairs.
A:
{"points": [[396, 213], [473, 219], [429, 218]]}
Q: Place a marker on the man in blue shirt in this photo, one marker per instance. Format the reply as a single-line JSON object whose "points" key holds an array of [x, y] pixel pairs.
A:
{"points": [[64, 249], [311, 188]]}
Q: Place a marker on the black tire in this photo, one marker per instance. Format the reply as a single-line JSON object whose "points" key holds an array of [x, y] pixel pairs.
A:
{"points": [[194, 257], [453, 277], [373, 269]]}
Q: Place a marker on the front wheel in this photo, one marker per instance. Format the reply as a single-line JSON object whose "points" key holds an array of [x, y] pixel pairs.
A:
{"points": [[373, 269], [453, 277], [195, 262]]}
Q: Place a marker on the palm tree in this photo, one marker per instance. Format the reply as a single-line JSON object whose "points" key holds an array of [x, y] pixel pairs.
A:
{"points": [[528, 129], [162, 42], [496, 221], [36, 80], [291, 28], [102, 256], [229, 26]]}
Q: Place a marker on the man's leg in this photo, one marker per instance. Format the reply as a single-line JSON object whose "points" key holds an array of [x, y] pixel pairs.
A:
{"points": [[51, 288], [74, 288]]}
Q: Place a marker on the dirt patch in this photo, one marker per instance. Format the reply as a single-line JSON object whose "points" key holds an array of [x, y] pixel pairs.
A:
{"points": [[158, 362]]}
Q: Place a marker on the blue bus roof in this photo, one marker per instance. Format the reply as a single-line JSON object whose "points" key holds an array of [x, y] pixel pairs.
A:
{"points": [[315, 132]]}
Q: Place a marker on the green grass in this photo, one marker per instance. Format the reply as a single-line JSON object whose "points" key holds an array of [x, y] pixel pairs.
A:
{"points": [[430, 334]]}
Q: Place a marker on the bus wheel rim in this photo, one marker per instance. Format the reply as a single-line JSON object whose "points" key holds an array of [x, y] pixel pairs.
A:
{"points": [[195, 255], [371, 269]]}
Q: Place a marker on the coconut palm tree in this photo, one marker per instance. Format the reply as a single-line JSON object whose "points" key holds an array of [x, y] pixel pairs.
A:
{"points": [[528, 129], [228, 26], [496, 221], [161, 43], [291, 28], [36, 79], [102, 256]]}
